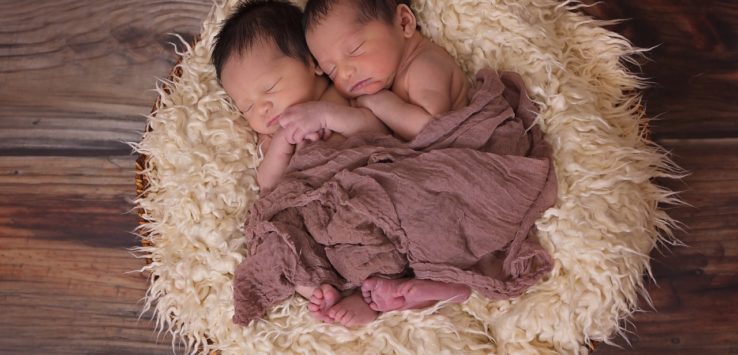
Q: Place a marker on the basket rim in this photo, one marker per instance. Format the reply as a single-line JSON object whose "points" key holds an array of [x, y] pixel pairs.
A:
{"points": [[141, 181]]}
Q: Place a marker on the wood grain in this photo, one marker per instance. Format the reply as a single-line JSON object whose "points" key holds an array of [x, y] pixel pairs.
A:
{"points": [[697, 284], [694, 83], [692, 68], [75, 80], [66, 280], [77, 75]]}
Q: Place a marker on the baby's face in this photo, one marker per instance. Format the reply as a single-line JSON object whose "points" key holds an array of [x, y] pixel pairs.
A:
{"points": [[263, 82], [361, 59]]}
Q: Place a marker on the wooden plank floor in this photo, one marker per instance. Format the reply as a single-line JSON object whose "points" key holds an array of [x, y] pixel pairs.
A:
{"points": [[74, 84], [694, 71], [75, 80]]}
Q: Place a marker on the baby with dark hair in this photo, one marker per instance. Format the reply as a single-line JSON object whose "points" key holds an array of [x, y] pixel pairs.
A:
{"points": [[263, 63], [373, 52]]}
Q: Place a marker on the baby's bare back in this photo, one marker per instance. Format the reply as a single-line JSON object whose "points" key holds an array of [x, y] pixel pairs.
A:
{"points": [[421, 69]]}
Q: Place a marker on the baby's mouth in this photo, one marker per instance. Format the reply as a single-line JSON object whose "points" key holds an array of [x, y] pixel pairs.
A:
{"points": [[272, 121], [359, 85]]}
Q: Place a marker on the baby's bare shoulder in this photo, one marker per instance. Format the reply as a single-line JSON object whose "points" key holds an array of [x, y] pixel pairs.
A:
{"points": [[433, 66], [432, 59], [435, 76]]}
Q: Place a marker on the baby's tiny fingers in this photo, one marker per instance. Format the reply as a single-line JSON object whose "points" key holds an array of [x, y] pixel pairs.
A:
{"points": [[291, 139], [285, 119], [312, 137], [299, 135], [327, 133]]}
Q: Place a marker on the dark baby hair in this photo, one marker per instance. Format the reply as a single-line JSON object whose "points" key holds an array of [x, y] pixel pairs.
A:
{"points": [[367, 10], [261, 20]]}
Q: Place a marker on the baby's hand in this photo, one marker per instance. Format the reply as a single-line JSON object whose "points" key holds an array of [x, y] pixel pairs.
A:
{"points": [[306, 121], [372, 101]]}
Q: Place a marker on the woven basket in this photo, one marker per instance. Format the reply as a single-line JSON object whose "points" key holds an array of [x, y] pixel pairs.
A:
{"points": [[142, 182], [586, 340]]}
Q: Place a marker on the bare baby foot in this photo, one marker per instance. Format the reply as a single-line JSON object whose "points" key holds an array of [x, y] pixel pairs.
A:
{"points": [[381, 294], [322, 299], [352, 311], [390, 295], [424, 293]]}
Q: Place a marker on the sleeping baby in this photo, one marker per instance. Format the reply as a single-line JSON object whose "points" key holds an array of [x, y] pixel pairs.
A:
{"points": [[454, 207], [373, 53], [392, 75], [263, 64]]}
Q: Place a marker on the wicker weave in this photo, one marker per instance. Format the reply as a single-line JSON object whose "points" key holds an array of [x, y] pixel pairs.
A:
{"points": [[143, 161]]}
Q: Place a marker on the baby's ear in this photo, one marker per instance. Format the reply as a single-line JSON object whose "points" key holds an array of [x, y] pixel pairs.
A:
{"points": [[405, 18], [316, 67]]}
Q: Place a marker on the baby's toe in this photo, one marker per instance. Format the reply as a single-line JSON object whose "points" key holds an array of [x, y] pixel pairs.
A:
{"points": [[336, 313], [348, 319], [368, 285], [340, 314]]}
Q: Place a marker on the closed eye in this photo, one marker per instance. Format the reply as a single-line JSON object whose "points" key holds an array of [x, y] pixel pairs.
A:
{"points": [[272, 87], [357, 48]]}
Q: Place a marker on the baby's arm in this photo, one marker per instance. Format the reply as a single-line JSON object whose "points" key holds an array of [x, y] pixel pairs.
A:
{"points": [[275, 161], [300, 120], [429, 91], [403, 118]]}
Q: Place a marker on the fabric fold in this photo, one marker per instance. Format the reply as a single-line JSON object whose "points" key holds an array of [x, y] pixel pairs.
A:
{"points": [[457, 204]]}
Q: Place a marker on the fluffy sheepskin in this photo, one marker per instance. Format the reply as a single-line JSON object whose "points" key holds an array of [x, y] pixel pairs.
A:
{"points": [[201, 172]]}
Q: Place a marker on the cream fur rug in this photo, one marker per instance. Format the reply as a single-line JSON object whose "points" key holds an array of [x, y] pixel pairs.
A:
{"points": [[606, 221]]}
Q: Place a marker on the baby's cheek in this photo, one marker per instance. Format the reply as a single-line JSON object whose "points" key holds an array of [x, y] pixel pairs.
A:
{"points": [[373, 88]]}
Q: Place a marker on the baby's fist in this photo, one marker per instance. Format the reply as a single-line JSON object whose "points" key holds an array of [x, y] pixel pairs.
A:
{"points": [[304, 121], [372, 100]]}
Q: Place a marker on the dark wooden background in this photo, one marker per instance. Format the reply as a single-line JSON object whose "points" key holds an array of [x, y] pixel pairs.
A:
{"points": [[75, 80]]}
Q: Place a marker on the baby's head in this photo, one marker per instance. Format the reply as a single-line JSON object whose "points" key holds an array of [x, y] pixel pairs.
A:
{"points": [[359, 43], [263, 63]]}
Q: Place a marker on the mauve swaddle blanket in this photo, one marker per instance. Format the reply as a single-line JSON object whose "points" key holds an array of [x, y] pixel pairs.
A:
{"points": [[457, 204]]}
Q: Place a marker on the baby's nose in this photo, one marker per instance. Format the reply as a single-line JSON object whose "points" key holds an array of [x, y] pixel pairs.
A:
{"points": [[266, 107], [348, 72]]}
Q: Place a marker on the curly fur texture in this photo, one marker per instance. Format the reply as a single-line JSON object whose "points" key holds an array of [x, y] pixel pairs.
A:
{"points": [[606, 220]]}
